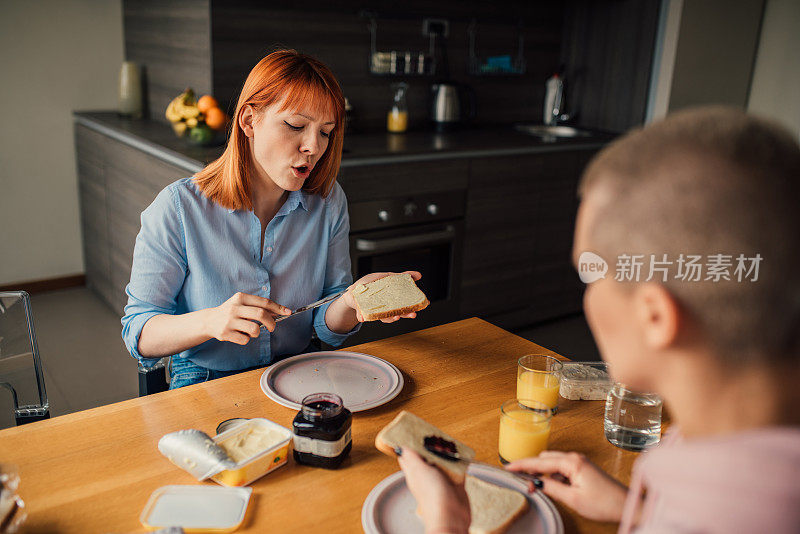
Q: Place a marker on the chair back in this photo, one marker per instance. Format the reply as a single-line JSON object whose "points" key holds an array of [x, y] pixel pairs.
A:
{"points": [[154, 379], [22, 388]]}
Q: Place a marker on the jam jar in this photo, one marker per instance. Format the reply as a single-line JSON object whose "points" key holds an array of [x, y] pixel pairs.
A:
{"points": [[322, 431]]}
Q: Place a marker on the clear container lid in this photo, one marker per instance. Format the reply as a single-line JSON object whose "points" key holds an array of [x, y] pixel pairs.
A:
{"points": [[586, 373], [584, 381], [196, 508]]}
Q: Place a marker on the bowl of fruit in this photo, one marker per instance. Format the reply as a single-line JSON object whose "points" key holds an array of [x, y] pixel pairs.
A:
{"points": [[199, 121]]}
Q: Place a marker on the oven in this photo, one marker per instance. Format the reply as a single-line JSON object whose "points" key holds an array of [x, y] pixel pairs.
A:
{"points": [[423, 233]]}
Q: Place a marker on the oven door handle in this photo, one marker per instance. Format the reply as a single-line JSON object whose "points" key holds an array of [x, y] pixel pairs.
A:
{"points": [[397, 243]]}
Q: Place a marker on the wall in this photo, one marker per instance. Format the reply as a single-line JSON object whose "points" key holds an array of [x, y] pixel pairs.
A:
{"points": [[715, 54], [213, 45], [244, 31], [666, 46], [705, 54], [604, 47], [56, 56], [608, 51], [172, 40], [775, 91]]}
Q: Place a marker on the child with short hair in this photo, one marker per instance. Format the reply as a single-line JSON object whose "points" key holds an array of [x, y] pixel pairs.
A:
{"points": [[721, 347]]}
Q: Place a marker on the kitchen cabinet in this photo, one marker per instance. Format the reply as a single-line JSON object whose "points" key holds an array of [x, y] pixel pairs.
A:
{"points": [[519, 224], [371, 182], [90, 161], [116, 183]]}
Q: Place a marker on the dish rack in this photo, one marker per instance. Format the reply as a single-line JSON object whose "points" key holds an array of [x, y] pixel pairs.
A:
{"points": [[398, 62], [502, 65]]}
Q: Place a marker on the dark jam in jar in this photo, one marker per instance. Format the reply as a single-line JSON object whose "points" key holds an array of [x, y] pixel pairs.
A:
{"points": [[322, 431]]}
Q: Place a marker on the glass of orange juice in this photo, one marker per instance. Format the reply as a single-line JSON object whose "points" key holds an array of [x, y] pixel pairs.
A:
{"points": [[524, 429], [538, 378]]}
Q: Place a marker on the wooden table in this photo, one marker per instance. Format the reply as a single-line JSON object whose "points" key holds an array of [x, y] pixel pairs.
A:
{"points": [[93, 471]]}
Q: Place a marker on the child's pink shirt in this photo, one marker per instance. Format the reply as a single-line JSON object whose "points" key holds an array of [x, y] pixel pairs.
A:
{"points": [[747, 482]]}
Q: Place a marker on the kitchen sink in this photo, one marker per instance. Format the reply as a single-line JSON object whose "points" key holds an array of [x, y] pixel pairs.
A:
{"points": [[551, 130]]}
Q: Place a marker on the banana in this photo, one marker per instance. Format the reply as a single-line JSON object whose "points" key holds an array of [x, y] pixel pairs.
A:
{"points": [[188, 97], [189, 112], [183, 106], [180, 128], [173, 113]]}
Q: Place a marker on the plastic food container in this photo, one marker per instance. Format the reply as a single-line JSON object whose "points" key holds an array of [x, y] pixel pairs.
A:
{"points": [[258, 446], [196, 508], [585, 381]]}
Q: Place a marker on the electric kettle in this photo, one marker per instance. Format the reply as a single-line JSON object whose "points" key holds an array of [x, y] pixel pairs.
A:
{"points": [[448, 109]]}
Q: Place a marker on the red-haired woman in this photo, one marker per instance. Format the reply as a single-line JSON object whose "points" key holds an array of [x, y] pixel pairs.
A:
{"points": [[258, 232]]}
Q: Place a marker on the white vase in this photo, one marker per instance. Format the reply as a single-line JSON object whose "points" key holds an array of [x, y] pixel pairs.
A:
{"points": [[130, 90]]}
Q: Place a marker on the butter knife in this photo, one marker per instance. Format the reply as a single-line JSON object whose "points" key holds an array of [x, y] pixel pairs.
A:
{"points": [[307, 307], [447, 450]]}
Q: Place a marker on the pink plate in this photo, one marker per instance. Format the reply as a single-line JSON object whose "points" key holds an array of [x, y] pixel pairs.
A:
{"points": [[391, 509], [361, 380]]}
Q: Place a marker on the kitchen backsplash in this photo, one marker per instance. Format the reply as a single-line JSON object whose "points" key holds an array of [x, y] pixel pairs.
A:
{"points": [[605, 46], [217, 54]]}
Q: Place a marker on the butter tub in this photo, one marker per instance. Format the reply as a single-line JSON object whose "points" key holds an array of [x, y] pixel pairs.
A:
{"points": [[258, 447]]}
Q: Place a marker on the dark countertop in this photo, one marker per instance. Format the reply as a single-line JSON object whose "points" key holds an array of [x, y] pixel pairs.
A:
{"points": [[157, 139]]}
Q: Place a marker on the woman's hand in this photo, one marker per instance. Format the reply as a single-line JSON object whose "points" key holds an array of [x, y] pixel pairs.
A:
{"points": [[342, 315], [348, 298], [443, 505], [590, 491], [239, 318]]}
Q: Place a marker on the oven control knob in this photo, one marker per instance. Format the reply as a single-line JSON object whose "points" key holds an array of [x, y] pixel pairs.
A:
{"points": [[410, 209], [433, 209], [383, 215]]}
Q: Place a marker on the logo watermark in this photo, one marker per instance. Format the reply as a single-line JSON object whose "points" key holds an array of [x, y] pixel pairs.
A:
{"points": [[591, 267], [686, 268]]}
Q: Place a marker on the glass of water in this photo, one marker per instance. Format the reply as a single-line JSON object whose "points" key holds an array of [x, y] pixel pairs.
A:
{"points": [[632, 419]]}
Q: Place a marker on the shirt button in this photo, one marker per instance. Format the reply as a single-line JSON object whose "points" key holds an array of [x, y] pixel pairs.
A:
{"points": [[265, 288], [269, 249]]}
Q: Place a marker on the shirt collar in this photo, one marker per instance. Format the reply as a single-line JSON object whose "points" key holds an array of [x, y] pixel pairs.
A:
{"points": [[296, 198]]}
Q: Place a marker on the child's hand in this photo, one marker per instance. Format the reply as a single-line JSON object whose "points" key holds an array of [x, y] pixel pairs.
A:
{"points": [[443, 505], [590, 492], [366, 279]]}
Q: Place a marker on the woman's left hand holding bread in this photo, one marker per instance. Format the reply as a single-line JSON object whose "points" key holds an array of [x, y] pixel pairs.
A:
{"points": [[342, 315]]}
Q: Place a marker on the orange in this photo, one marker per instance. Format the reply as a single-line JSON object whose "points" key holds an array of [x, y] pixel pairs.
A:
{"points": [[207, 102], [216, 118]]}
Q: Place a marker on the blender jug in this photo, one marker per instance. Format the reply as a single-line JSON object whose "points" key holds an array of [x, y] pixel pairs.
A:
{"points": [[397, 118]]}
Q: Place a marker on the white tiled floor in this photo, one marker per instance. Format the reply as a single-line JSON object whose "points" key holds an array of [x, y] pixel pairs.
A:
{"points": [[86, 364]]}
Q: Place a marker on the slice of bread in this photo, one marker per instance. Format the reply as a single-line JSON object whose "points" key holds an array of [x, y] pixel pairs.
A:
{"points": [[392, 295], [493, 508], [409, 432]]}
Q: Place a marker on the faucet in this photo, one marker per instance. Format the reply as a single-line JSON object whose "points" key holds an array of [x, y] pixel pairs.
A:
{"points": [[554, 101], [558, 117]]}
